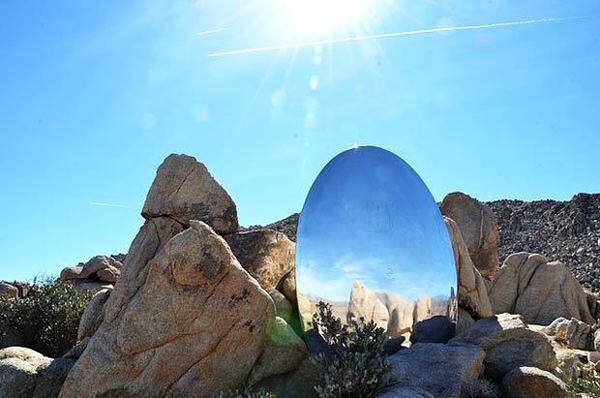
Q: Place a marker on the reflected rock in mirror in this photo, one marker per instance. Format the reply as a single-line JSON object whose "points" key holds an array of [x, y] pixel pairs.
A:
{"points": [[372, 243]]}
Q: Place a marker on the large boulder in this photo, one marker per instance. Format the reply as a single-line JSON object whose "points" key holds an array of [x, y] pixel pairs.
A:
{"points": [[185, 319], [473, 300], [184, 190], [8, 290], [98, 273], [508, 344], [439, 369], [366, 304], [528, 382], [98, 265], [528, 284], [25, 373], [437, 329], [69, 273], [478, 227], [51, 377], [266, 254], [571, 332]]}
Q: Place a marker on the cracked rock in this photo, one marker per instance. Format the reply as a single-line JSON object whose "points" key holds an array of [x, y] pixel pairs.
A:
{"points": [[184, 190], [184, 320], [541, 291]]}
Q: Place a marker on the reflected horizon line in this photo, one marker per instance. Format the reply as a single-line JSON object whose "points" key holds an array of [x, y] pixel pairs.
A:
{"points": [[287, 46]]}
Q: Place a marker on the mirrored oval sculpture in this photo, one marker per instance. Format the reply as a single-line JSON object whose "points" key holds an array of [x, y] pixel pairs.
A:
{"points": [[372, 243]]}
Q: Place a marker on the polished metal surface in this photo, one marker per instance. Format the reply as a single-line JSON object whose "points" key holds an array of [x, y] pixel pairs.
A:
{"points": [[372, 243]]}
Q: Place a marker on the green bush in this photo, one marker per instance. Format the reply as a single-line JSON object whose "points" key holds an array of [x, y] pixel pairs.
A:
{"points": [[356, 364], [587, 384], [47, 318]]}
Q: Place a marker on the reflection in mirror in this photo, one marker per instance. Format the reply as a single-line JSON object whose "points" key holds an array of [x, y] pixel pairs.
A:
{"points": [[372, 243]]}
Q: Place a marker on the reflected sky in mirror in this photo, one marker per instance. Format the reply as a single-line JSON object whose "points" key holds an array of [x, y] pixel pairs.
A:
{"points": [[369, 222]]}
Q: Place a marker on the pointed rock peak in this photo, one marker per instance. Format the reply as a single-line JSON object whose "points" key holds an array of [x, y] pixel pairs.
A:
{"points": [[479, 229], [184, 190]]}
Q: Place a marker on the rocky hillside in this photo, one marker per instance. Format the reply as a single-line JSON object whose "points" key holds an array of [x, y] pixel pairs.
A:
{"points": [[567, 231]]}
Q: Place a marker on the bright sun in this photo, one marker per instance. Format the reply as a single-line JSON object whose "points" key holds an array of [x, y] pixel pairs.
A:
{"points": [[324, 16]]}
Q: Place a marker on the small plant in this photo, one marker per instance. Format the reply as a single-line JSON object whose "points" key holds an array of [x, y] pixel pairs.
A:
{"points": [[481, 388], [245, 393], [48, 317], [356, 364], [587, 384]]}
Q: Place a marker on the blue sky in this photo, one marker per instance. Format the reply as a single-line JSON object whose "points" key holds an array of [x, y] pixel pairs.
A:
{"points": [[96, 94]]}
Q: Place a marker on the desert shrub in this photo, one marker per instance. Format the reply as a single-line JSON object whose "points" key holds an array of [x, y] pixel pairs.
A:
{"points": [[481, 388], [48, 317], [245, 393], [587, 384], [355, 364]]}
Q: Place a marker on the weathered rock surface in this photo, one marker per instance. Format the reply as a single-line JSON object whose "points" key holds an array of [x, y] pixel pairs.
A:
{"points": [[439, 369], [267, 255], [184, 190], [76, 351], [185, 319], [51, 377], [283, 307], [98, 264], [477, 224], [69, 273], [365, 304], [8, 290], [298, 383], [23, 287], [528, 284], [472, 292], [570, 360], [508, 344], [437, 329], [99, 272], [284, 351], [287, 286], [464, 321], [572, 332], [93, 315], [401, 314], [423, 309], [25, 373], [529, 382]]}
